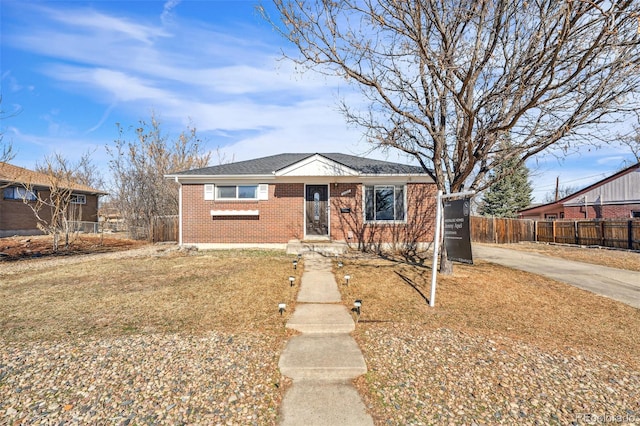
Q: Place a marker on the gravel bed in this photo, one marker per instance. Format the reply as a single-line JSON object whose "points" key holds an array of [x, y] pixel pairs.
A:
{"points": [[143, 380], [419, 376]]}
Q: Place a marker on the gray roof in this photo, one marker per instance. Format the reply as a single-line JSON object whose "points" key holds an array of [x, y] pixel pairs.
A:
{"points": [[268, 165]]}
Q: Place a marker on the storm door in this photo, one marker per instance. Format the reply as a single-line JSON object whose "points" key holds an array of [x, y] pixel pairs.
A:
{"points": [[317, 211]]}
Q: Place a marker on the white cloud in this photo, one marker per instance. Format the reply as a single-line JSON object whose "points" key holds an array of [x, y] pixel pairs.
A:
{"points": [[92, 21], [167, 11]]}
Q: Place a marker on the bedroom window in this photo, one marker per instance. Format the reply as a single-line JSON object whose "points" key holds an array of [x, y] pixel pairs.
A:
{"points": [[384, 203]]}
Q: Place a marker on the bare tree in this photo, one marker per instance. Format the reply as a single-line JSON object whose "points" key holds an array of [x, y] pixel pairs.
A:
{"points": [[560, 192], [52, 202], [632, 140], [6, 149], [446, 80], [138, 167]]}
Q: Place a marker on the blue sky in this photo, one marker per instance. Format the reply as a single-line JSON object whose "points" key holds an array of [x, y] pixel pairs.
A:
{"points": [[73, 69]]}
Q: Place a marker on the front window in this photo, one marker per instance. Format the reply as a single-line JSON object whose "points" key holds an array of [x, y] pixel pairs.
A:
{"points": [[19, 193], [237, 192], [384, 203]]}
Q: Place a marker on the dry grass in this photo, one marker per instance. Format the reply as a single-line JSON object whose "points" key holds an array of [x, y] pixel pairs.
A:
{"points": [[240, 290], [621, 259], [175, 292], [487, 299]]}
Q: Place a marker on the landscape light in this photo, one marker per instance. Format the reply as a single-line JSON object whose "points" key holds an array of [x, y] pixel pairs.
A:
{"points": [[357, 305], [291, 280], [347, 278], [340, 264], [282, 307], [295, 264]]}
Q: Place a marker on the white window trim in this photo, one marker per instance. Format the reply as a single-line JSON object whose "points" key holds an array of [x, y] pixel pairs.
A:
{"points": [[82, 196], [211, 192]]}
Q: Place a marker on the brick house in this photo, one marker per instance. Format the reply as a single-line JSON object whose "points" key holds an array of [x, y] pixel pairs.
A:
{"points": [[18, 184], [275, 200], [615, 197]]}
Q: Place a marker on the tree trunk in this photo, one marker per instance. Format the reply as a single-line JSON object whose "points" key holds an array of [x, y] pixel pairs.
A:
{"points": [[446, 266]]}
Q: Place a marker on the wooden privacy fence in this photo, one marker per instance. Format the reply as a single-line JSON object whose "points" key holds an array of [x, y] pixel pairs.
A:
{"points": [[618, 233], [164, 228], [501, 230]]}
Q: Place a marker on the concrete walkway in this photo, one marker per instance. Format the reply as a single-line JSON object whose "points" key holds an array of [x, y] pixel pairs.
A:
{"points": [[618, 284], [324, 359]]}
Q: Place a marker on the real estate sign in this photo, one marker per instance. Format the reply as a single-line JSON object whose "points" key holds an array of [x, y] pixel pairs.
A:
{"points": [[457, 236]]}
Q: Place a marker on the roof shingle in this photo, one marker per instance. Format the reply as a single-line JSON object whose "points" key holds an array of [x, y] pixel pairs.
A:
{"points": [[268, 165], [10, 174]]}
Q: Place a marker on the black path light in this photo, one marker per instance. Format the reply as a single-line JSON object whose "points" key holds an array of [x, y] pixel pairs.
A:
{"points": [[291, 280], [295, 264], [282, 307], [340, 264], [357, 305], [347, 278]]}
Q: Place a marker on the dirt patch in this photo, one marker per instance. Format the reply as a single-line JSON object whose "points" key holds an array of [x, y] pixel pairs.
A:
{"points": [[39, 246]]}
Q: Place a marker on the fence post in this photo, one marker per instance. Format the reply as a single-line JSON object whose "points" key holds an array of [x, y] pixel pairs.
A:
{"points": [[630, 234], [494, 230]]}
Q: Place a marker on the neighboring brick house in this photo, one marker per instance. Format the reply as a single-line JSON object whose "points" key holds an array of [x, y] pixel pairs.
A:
{"points": [[18, 184], [271, 201], [616, 197]]}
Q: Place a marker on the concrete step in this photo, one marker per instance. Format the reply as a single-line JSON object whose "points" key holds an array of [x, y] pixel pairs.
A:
{"points": [[326, 248], [322, 357], [321, 318], [312, 403]]}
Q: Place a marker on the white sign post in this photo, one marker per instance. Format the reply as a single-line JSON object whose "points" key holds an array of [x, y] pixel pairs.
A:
{"points": [[436, 240]]}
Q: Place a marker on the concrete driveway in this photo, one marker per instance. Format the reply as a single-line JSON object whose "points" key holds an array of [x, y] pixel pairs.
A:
{"points": [[618, 284]]}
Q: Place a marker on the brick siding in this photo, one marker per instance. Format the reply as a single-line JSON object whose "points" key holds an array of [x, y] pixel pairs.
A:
{"points": [[281, 217], [16, 216], [601, 212], [279, 221]]}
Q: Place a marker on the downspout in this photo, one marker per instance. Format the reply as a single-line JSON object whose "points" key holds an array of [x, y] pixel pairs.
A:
{"points": [[179, 212]]}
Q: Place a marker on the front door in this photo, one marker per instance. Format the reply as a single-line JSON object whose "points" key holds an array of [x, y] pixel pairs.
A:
{"points": [[317, 211]]}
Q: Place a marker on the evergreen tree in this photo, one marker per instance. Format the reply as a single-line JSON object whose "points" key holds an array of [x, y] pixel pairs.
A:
{"points": [[510, 192]]}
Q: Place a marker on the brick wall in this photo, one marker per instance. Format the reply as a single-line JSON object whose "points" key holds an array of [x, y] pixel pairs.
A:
{"points": [[351, 227], [601, 212], [281, 217], [16, 216]]}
